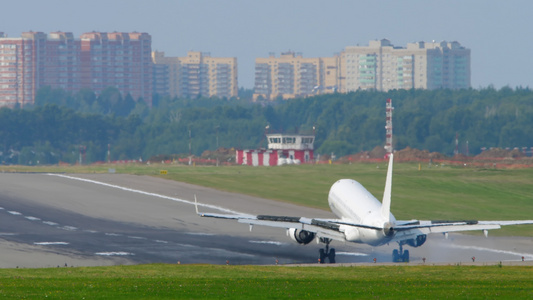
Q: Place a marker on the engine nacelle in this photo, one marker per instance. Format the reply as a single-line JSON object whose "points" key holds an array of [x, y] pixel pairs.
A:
{"points": [[418, 241], [388, 230], [301, 236]]}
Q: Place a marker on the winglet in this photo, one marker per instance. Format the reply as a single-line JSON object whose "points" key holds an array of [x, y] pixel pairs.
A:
{"points": [[385, 204], [196, 204]]}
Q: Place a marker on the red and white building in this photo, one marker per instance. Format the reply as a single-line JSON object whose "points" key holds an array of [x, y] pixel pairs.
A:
{"points": [[282, 149]]}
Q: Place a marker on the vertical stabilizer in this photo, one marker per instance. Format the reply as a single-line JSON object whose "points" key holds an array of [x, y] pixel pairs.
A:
{"points": [[385, 204]]}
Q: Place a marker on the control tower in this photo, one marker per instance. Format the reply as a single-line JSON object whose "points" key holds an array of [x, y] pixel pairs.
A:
{"points": [[282, 149]]}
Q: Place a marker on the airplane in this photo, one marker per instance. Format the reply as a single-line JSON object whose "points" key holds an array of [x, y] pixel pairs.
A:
{"points": [[362, 219]]}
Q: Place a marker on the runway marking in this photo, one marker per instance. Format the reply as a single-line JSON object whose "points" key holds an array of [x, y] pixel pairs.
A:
{"points": [[15, 213], [268, 242], [160, 241], [50, 223], [352, 253], [69, 228], [7, 233], [525, 255], [114, 253], [50, 243], [32, 218], [137, 237], [113, 234], [199, 233], [147, 193]]}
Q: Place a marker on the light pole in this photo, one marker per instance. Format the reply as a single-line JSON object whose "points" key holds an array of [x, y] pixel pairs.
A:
{"points": [[216, 151], [190, 148]]}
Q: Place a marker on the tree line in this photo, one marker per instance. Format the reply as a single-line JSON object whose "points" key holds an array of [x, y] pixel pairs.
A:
{"points": [[61, 126]]}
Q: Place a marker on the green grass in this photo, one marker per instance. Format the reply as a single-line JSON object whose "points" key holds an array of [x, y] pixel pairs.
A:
{"points": [[275, 282], [449, 193], [431, 193]]}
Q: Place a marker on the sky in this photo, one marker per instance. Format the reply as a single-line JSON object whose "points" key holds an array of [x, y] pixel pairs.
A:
{"points": [[499, 33]]}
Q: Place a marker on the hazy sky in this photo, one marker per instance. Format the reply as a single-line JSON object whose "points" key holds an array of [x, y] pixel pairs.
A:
{"points": [[499, 33]]}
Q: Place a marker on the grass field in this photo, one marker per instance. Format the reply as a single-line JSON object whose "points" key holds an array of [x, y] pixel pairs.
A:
{"points": [[275, 282], [431, 193], [444, 193]]}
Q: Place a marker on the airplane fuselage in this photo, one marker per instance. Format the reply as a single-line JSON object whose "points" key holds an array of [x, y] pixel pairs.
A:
{"points": [[352, 203]]}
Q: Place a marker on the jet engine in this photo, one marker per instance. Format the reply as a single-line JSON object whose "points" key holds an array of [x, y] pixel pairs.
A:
{"points": [[388, 229], [301, 236], [418, 241]]}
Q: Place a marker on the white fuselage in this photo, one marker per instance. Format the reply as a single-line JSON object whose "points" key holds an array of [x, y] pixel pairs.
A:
{"points": [[352, 203]]}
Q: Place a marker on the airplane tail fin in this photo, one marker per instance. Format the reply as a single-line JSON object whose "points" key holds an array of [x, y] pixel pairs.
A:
{"points": [[385, 204]]}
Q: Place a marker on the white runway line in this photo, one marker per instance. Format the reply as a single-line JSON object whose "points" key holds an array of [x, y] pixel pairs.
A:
{"points": [[525, 255], [268, 242], [113, 234], [50, 243], [32, 218], [50, 223], [199, 233], [146, 193], [352, 254], [69, 228], [114, 253], [15, 213]]}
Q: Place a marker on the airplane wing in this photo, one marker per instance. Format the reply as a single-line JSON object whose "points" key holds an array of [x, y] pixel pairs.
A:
{"points": [[410, 229], [323, 229], [461, 225], [405, 230], [332, 229]]}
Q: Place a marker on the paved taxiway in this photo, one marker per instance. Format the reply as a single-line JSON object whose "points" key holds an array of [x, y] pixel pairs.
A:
{"points": [[105, 219]]}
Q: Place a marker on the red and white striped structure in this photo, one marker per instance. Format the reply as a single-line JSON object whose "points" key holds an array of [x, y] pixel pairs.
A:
{"points": [[282, 149], [388, 127]]}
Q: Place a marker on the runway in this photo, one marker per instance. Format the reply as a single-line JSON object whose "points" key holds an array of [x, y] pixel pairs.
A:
{"points": [[49, 220]]}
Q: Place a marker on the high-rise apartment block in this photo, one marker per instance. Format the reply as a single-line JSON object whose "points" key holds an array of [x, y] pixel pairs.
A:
{"points": [[379, 66], [121, 60], [19, 68], [197, 74], [95, 61], [383, 67], [291, 75]]}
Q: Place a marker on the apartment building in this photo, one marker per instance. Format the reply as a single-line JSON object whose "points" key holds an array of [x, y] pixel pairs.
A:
{"points": [[382, 66], [20, 67], [292, 75], [197, 74], [121, 60], [379, 66], [96, 61]]}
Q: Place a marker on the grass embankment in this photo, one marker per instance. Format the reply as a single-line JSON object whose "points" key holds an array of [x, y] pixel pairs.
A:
{"points": [[253, 282], [444, 193]]}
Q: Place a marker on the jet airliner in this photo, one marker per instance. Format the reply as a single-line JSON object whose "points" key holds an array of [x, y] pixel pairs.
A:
{"points": [[362, 219]]}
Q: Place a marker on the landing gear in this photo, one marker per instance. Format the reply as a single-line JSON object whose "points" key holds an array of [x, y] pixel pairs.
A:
{"points": [[400, 255], [326, 253]]}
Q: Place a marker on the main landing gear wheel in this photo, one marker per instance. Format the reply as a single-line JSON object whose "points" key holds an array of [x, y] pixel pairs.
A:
{"points": [[327, 253], [400, 255]]}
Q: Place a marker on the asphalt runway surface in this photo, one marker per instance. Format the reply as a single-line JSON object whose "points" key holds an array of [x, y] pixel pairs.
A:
{"points": [[49, 220]]}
